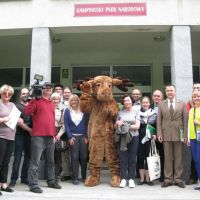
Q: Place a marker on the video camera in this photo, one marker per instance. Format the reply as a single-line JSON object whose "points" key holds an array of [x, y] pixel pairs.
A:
{"points": [[37, 88]]}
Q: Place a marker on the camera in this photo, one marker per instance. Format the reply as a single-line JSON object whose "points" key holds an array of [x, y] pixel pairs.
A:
{"points": [[37, 88]]}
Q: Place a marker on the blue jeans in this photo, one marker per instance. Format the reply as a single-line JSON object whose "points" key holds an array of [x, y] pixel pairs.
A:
{"points": [[22, 144], [195, 147], [128, 159], [38, 146]]}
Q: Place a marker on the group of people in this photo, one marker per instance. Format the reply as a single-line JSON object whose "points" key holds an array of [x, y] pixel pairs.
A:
{"points": [[169, 118], [56, 116], [43, 122]]}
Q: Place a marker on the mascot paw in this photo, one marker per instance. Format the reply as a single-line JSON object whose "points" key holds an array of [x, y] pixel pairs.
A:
{"points": [[92, 181], [115, 181]]}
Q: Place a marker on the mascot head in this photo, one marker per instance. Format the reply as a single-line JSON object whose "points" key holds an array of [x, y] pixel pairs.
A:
{"points": [[101, 86]]}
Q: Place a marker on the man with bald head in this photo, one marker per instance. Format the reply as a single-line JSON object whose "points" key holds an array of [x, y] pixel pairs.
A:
{"points": [[157, 97]]}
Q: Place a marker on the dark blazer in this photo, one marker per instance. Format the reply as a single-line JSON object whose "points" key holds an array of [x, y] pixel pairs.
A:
{"points": [[168, 127]]}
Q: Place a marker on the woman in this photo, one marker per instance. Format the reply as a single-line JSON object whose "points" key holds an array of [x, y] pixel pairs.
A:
{"points": [[127, 154], [194, 133], [147, 116], [7, 135], [59, 124], [76, 124]]}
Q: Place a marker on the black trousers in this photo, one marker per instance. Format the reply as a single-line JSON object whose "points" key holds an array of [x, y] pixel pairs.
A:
{"points": [[79, 152], [6, 150]]}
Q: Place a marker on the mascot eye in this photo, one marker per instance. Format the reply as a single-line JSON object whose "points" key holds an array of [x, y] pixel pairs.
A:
{"points": [[98, 85], [109, 86]]}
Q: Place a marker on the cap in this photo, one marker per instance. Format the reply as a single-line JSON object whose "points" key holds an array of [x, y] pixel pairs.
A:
{"points": [[47, 84]]}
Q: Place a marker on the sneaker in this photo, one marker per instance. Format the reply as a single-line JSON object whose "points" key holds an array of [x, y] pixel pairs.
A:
{"points": [[36, 190], [131, 183], [123, 183], [55, 186]]}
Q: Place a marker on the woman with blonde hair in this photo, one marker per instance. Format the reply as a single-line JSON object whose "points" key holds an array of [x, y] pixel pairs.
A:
{"points": [[76, 124], [194, 133], [7, 135]]}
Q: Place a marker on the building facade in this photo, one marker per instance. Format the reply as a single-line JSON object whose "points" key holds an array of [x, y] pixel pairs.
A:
{"points": [[152, 42]]}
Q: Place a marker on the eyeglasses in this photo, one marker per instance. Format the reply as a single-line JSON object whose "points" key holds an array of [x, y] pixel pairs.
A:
{"points": [[24, 93], [7, 94]]}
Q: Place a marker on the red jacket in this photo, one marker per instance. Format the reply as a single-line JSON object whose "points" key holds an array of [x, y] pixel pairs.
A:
{"points": [[43, 115]]}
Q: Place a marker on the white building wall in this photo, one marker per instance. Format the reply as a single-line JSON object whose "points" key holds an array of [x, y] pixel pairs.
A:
{"points": [[48, 13]]}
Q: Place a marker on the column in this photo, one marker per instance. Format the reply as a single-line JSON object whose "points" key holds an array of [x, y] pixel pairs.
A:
{"points": [[181, 61], [41, 54]]}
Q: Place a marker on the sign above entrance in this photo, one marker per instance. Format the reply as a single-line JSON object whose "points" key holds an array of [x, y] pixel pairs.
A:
{"points": [[110, 9]]}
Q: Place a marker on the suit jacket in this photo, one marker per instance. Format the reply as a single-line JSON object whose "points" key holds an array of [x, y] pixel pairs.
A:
{"points": [[169, 126]]}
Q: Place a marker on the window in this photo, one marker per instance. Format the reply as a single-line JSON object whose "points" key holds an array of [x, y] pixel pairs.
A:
{"points": [[140, 75], [11, 76]]}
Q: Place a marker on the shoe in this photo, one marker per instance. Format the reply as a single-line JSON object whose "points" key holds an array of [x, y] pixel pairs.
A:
{"points": [[131, 183], [12, 184], [123, 183], [197, 187], [25, 182], [65, 178], [75, 182], [36, 190], [7, 189], [141, 182], [0, 194], [54, 185], [150, 183], [165, 184], [180, 184]]}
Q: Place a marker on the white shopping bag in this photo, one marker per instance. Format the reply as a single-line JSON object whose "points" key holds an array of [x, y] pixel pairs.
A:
{"points": [[153, 162]]}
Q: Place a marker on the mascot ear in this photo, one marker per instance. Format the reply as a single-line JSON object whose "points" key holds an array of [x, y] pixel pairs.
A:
{"points": [[78, 83], [122, 84]]}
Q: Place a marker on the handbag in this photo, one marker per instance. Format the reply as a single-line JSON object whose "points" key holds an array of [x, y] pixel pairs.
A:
{"points": [[62, 144], [153, 162]]}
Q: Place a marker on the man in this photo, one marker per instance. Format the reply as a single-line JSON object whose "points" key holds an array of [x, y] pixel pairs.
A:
{"points": [[172, 123], [157, 97], [65, 155], [43, 133], [196, 86], [22, 142], [66, 94], [136, 96]]}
